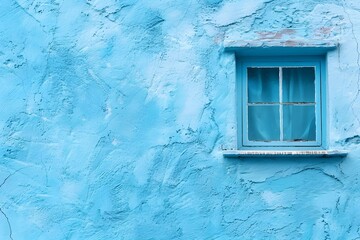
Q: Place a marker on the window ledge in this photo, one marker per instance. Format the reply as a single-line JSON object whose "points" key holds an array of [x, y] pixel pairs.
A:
{"points": [[268, 153]]}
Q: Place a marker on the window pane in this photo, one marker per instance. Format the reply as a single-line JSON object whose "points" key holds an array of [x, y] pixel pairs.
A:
{"points": [[263, 123], [263, 85], [298, 84], [299, 123]]}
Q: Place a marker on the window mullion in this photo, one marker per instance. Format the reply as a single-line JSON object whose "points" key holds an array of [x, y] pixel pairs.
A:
{"points": [[281, 105]]}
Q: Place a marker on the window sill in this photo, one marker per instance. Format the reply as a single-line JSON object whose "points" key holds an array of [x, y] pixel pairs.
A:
{"points": [[268, 153]]}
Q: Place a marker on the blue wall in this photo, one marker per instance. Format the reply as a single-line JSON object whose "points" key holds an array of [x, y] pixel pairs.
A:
{"points": [[114, 115]]}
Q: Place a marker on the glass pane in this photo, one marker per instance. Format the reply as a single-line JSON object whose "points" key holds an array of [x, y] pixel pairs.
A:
{"points": [[263, 123], [263, 85], [299, 123], [298, 84]]}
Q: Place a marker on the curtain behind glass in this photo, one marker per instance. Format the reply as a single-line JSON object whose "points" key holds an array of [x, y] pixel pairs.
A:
{"points": [[299, 120], [298, 84], [263, 121], [299, 123], [263, 85]]}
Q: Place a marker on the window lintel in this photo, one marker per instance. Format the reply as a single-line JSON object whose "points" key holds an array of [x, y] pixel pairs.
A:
{"points": [[287, 48]]}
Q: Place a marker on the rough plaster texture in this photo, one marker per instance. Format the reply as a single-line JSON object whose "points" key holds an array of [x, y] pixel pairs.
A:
{"points": [[114, 113]]}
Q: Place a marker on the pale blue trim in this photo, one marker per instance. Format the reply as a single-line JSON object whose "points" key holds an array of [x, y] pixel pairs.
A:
{"points": [[281, 154], [243, 49], [278, 61], [239, 100], [323, 93]]}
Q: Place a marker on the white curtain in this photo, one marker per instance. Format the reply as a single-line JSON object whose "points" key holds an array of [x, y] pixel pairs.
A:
{"points": [[263, 121], [298, 108]]}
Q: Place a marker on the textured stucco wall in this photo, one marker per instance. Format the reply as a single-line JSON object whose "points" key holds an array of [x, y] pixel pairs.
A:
{"points": [[114, 113]]}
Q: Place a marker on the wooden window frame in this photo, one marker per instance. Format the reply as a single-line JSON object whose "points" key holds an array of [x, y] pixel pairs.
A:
{"points": [[282, 61]]}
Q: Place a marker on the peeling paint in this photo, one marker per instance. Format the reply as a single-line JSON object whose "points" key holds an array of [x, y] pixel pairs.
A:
{"points": [[275, 35], [350, 140]]}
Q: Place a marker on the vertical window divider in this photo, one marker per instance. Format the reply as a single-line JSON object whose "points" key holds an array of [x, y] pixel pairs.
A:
{"points": [[281, 105]]}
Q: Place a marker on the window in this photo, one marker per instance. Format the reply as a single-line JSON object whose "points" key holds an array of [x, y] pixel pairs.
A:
{"points": [[281, 102]]}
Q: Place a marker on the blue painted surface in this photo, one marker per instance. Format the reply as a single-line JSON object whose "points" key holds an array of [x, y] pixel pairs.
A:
{"points": [[253, 123], [114, 115]]}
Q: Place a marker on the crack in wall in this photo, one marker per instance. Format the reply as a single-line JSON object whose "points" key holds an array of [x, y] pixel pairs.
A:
{"points": [[8, 222], [2, 212], [11, 174], [49, 50], [350, 140], [326, 226], [243, 220], [357, 61], [319, 170], [108, 13], [30, 15]]}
